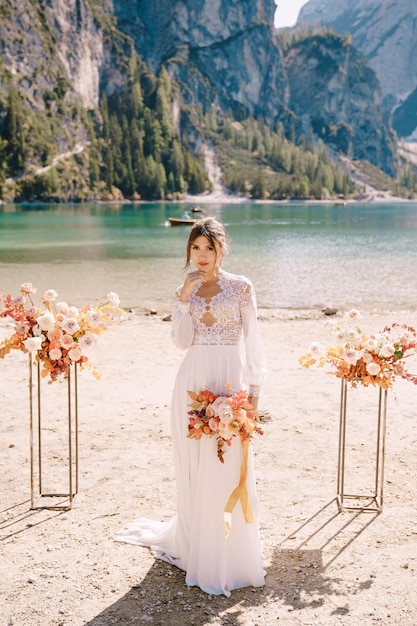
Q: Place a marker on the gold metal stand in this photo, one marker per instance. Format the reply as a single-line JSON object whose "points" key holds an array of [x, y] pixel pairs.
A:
{"points": [[39, 499], [374, 501]]}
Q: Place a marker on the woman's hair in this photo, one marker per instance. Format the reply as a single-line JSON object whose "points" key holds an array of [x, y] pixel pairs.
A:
{"points": [[212, 230]]}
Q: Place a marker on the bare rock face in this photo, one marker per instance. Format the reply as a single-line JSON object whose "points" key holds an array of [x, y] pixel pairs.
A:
{"points": [[222, 51], [49, 41], [333, 90], [159, 28], [386, 33]]}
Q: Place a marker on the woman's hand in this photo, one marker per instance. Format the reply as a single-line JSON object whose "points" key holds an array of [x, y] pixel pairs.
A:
{"points": [[192, 279], [253, 412]]}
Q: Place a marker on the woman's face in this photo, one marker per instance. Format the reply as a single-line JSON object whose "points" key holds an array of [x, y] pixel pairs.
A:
{"points": [[204, 255]]}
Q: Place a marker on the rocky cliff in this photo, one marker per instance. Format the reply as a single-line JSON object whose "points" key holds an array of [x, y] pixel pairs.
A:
{"points": [[222, 51], [74, 41], [333, 90], [386, 33]]}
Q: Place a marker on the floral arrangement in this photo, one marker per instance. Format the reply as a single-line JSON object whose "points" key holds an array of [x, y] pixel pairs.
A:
{"points": [[223, 417], [367, 359], [56, 333]]}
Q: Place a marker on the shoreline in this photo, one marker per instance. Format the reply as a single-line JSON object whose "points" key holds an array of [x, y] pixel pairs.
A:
{"points": [[225, 198]]}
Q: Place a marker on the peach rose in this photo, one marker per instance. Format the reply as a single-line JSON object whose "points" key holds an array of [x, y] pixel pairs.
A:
{"points": [[55, 354], [50, 295], [75, 354], [214, 424], [54, 334], [66, 341]]}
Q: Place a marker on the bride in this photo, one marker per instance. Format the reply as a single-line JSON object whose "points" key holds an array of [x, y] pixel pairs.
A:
{"points": [[215, 320]]}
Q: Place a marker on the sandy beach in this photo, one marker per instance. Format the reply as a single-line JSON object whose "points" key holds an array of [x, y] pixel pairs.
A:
{"points": [[323, 567]]}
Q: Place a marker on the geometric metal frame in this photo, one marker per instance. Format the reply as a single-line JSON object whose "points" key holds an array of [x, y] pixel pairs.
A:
{"points": [[374, 501], [38, 499]]}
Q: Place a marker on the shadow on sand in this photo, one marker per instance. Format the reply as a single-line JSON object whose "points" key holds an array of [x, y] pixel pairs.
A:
{"points": [[297, 579], [19, 518]]}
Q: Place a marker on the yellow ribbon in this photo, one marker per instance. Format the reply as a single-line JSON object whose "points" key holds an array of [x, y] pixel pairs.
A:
{"points": [[239, 493]]}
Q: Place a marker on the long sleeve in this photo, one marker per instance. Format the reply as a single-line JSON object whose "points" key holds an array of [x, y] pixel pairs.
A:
{"points": [[182, 329], [254, 368]]}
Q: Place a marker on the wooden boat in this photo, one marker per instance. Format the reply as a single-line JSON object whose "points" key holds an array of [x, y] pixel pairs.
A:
{"points": [[179, 221], [197, 209]]}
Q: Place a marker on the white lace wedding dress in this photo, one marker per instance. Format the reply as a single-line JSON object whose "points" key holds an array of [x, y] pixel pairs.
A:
{"points": [[228, 350]]}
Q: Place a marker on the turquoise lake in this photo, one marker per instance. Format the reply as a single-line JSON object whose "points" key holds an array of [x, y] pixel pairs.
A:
{"points": [[298, 255]]}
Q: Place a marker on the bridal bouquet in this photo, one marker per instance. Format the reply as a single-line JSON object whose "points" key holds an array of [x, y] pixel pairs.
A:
{"points": [[367, 359], [55, 333], [223, 417]]}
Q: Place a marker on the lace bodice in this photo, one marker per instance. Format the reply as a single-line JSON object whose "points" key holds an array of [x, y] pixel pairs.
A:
{"points": [[222, 320], [224, 311]]}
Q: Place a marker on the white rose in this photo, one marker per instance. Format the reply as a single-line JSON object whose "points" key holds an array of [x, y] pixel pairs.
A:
{"points": [[113, 298], [27, 288], [371, 345], [373, 368], [62, 307], [50, 295], [225, 413], [352, 335], [70, 325], [46, 321], [33, 344], [94, 318], [351, 356], [87, 341], [341, 336], [315, 347], [215, 406], [37, 332], [22, 328], [75, 354], [60, 318], [387, 351]]}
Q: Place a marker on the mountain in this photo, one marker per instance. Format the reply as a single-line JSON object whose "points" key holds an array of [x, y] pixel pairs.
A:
{"points": [[114, 98], [334, 91], [231, 57], [223, 52], [386, 34]]}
